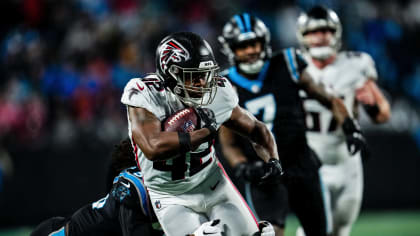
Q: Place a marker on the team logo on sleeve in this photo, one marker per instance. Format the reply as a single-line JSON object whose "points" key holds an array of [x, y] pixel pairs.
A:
{"points": [[171, 51], [133, 91], [158, 204]]}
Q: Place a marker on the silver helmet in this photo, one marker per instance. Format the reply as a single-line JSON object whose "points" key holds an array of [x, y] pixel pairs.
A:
{"points": [[319, 18], [239, 30]]}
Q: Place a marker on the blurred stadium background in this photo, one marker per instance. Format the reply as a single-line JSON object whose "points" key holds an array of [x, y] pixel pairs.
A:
{"points": [[64, 65]]}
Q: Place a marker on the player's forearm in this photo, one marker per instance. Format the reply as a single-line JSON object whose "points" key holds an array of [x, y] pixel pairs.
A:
{"points": [[384, 109], [160, 146], [248, 126], [384, 113], [232, 154], [320, 93], [165, 145], [339, 110], [260, 135], [333, 103], [264, 143], [379, 113], [157, 144], [316, 90]]}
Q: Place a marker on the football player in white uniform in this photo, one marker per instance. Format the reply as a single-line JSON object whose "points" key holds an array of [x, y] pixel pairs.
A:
{"points": [[352, 76], [186, 183]]}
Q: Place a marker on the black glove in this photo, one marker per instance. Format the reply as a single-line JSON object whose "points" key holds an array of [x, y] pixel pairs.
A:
{"points": [[207, 120], [272, 170], [354, 139], [252, 172]]}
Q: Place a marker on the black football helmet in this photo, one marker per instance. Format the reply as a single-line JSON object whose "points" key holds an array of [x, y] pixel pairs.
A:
{"points": [[182, 59], [317, 18], [239, 30]]}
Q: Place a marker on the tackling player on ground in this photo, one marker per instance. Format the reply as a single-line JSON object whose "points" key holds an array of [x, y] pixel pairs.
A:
{"points": [[126, 210], [268, 87], [186, 183], [352, 76]]}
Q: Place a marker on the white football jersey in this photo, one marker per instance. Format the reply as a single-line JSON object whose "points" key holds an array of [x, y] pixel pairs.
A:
{"points": [[343, 77], [179, 173]]}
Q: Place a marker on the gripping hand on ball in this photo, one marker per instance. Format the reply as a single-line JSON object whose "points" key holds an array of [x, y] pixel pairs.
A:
{"points": [[208, 120]]}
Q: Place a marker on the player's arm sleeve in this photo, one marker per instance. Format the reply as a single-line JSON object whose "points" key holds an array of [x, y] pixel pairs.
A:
{"points": [[228, 99], [369, 68], [93, 217], [295, 63], [366, 67], [136, 94], [227, 137]]}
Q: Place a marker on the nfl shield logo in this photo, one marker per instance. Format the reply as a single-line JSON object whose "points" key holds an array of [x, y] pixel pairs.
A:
{"points": [[157, 204], [188, 127]]}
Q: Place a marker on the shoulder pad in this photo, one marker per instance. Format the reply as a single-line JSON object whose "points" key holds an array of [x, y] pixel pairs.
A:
{"points": [[364, 62], [295, 62]]}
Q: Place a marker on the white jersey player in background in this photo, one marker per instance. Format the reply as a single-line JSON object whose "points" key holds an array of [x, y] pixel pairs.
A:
{"points": [[352, 76], [186, 183]]}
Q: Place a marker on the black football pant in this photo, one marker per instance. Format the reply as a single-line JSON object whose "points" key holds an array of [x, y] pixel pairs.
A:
{"points": [[305, 195]]}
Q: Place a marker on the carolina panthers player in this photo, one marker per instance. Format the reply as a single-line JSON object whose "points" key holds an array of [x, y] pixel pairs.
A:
{"points": [[186, 183], [268, 87], [125, 210], [352, 75]]}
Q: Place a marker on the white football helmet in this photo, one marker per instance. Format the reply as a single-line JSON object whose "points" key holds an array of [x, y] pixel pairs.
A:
{"points": [[319, 18]]}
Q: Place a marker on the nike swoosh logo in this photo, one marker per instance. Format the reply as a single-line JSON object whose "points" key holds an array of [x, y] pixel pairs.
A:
{"points": [[127, 185], [214, 186], [140, 87]]}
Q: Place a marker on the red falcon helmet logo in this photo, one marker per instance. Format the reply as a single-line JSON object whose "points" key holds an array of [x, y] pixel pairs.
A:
{"points": [[171, 50]]}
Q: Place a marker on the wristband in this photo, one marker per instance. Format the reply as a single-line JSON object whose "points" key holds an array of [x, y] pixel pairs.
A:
{"points": [[184, 142]]}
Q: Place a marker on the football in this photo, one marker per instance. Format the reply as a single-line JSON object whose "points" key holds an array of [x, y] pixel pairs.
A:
{"points": [[184, 120]]}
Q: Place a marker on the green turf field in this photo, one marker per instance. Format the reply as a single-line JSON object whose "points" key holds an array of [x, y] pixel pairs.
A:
{"points": [[386, 223]]}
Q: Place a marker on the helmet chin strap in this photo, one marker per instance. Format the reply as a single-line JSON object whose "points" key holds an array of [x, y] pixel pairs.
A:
{"points": [[251, 68], [321, 53]]}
